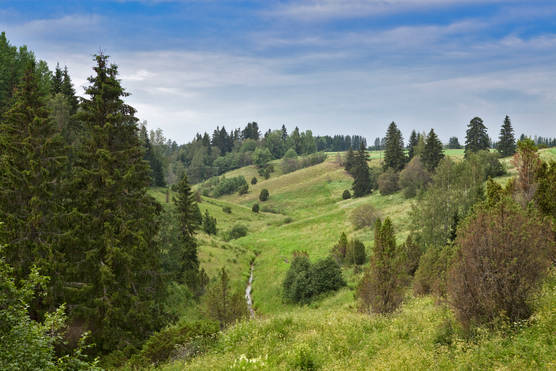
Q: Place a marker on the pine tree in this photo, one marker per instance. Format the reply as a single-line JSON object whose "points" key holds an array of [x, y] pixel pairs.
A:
{"points": [[476, 138], [222, 304], [350, 160], [32, 162], [361, 177], [57, 80], [68, 90], [433, 152], [506, 140], [412, 144], [117, 287], [394, 156]]}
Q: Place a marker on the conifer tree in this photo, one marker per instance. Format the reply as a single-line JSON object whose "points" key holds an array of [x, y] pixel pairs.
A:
{"points": [[394, 156], [506, 140], [350, 160], [57, 80], [412, 144], [476, 138], [32, 160], [117, 285], [68, 91], [433, 152], [361, 177]]}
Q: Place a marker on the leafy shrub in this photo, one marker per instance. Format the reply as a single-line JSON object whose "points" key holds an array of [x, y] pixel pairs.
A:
{"points": [[346, 195], [291, 162], [237, 231], [326, 275], [413, 177], [264, 195], [255, 208], [431, 274], [227, 209], [364, 216], [162, 345], [254, 180], [243, 190], [388, 182], [304, 359], [504, 253], [217, 187], [222, 304]]}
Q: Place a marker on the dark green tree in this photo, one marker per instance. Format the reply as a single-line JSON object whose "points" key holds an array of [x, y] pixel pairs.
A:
{"points": [[209, 223], [362, 182], [506, 140], [413, 141], [453, 143], [433, 153], [476, 138], [32, 162], [116, 285], [350, 161], [57, 79], [264, 195], [394, 156], [222, 304], [68, 90]]}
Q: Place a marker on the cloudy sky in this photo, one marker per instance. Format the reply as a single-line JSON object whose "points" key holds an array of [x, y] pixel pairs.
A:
{"points": [[332, 66]]}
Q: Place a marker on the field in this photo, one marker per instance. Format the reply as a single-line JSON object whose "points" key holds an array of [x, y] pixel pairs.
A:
{"points": [[306, 212]]}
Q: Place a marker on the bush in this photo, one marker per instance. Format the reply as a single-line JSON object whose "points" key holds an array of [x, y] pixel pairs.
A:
{"points": [[346, 195], [326, 275], [388, 182], [223, 186], [255, 208], [254, 180], [504, 253], [237, 231], [243, 190], [227, 209], [209, 223], [413, 178], [364, 216], [430, 276], [222, 304], [264, 195]]}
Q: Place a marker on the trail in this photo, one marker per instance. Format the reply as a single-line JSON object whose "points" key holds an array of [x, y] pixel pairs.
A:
{"points": [[248, 292]]}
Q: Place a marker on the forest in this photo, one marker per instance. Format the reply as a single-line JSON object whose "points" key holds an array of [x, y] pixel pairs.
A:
{"points": [[122, 249]]}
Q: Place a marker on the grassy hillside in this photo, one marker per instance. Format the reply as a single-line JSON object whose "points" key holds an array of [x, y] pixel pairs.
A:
{"points": [[306, 212]]}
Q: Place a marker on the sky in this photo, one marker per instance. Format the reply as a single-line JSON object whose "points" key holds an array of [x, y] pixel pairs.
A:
{"points": [[331, 66]]}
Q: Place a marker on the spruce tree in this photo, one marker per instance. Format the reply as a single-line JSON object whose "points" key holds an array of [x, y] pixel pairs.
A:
{"points": [[68, 90], [433, 153], [57, 80], [476, 138], [361, 176], [394, 156], [117, 288], [413, 140], [350, 160], [506, 140], [32, 161]]}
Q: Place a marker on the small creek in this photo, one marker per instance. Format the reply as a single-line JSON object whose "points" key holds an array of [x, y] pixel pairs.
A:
{"points": [[248, 290]]}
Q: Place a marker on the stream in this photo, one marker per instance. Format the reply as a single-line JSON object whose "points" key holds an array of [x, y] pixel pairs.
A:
{"points": [[248, 292]]}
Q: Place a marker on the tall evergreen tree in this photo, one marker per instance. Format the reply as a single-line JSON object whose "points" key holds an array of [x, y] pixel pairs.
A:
{"points": [[68, 90], [350, 160], [394, 156], [361, 177], [188, 212], [476, 138], [32, 160], [433, 153], [506, 140], [117, 286], [57, 80], [413, 141], [157, 172]]}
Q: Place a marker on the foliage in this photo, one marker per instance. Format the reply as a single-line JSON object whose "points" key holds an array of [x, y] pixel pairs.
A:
{"points": [[243, 190], [388, 182], [431, 274], [226, 186], [476, 138], [254, 180], [227, 209], [453, 143], [506, 140], [222, 304], [264, 195], [413, 140], [364, 216], [411, 254], [355, 253], [413, 178], [432, 153], [504, 253], [527, 162], [362, 182], [346, 194], [237, 231], [394, 156], [545, 195], [209, 223], [381, 288], [350, 161], [255, 208], [261, 157]]}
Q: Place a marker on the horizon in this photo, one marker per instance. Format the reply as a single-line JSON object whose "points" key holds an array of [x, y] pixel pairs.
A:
{"points": [[322, 66]]}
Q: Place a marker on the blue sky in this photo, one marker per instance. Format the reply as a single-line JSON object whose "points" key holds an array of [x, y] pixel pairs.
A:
{"points": [[349, 66]]}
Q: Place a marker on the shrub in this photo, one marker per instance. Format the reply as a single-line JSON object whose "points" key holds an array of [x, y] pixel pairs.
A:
{"points": [[430, 276], [209, 223], [243, 189], [364, 216], [227, 186], [222, 304], [227, 209], [381, 288], [355, 253], [346, 195], [411, 254], [237, 231], [339, 250], [264, 195], [504, 253], [254, 180], [388, 182], [326, 275], [255, 208], [413, 177]]}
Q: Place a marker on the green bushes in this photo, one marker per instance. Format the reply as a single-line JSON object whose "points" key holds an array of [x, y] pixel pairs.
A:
{"points": [[163, 345], [264, 195], [304, 280], [253, 180], [346, 195], [237, 231], [413, 178], [209, 223], [388, 182], [364, 216], [349, 253], [255, 208], [216, 187]]}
